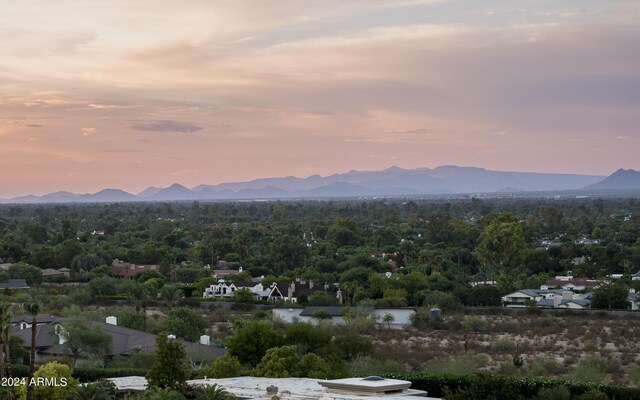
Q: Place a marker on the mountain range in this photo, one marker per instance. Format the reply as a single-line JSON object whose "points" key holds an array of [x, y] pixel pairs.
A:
{"points": [[392, 181]]}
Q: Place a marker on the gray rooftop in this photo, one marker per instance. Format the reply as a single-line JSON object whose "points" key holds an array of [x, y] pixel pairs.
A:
{"points": [[14, 284]]}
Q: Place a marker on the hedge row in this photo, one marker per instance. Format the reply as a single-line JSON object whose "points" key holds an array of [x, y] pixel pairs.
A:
{"points": [[88, 374], [436, 383]]}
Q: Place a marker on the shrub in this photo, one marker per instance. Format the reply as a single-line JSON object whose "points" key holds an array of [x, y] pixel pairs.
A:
{"points": [[226, 366], [504, 345], [423, 318], [436, 384], [278, 362], [545, 366], [593, 395], [554, 393], [461, 364], [353, 345], [367, 366], [591, 369], [475, 324], [284, 362], [481, 389]]}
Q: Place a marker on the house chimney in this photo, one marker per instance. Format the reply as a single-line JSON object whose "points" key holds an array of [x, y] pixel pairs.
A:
{"points": [[557, 300], [111, 320], [292, 289], [205, 340]]}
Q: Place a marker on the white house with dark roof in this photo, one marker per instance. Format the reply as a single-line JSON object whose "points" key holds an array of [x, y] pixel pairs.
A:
{"points": [[336, 314], [529, 297], [557, 298]]}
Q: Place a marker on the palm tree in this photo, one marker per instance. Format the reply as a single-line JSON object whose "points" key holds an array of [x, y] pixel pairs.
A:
{"points": [[89, 392], [140, 294], [388, 319], [34, 310], [162, 394], [213, 392], [170, 295], [5, 325]]}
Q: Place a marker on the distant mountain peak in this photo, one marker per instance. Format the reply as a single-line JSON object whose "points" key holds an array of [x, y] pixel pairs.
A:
{"points": [[177, 186], [395, 168], [621, 179]]}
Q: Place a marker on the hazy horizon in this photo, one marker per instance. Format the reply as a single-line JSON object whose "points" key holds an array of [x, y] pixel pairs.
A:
{"points": [[148, 186], [149, 93]]}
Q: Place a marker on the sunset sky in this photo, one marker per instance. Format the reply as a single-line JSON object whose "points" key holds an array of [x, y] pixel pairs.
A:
{"points": [[134, 93]]}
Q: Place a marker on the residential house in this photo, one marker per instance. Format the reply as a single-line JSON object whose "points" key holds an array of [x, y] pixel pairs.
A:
{"points": [[586, 241], [281, 290], [123, 269], [567, 299], [223, 273], [50, 272], [529, 297], [50, 339], [571, 283], [5, 266], [224, 289], [14, 284], [313, 314]]}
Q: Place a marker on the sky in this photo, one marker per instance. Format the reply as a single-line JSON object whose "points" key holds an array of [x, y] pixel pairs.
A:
{"points": [[137, 93]]}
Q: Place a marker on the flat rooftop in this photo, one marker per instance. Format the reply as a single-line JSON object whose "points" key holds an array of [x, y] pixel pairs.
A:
{"points": [[248, 387]]}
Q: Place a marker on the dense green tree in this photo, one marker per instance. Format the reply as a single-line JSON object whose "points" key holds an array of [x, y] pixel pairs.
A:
{"points": [[51, 370], [66, 252], [250, 342], [170, 295], [33, 309], [31, 274], [243, 295], [104, 286], [5, 346], [613, 296], [500, 242], [171, 368], [80, 338], [69, 229], [307, 337], [353, 345], [278, 362], [226, 366], [484, 296], [186, 323]]}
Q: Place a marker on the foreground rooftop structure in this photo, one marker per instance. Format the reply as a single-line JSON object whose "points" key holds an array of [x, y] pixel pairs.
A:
{"points": [[248, 387], [370, 388]]}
